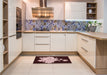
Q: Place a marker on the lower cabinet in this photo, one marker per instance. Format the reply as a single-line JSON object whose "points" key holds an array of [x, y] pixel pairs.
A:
{"points": [[19, 45], [71, 42], [49, 42], [12, 48], [58, 42], [28, 42], [42, 42], [87, 49], [1, 55]]}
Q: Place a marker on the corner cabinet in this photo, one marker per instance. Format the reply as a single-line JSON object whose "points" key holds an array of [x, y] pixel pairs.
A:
{"points": [[75, 10], [71, 42]]}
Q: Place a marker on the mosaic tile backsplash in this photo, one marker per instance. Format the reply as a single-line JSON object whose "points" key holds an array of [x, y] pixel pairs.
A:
{"points": [[48, 25]]}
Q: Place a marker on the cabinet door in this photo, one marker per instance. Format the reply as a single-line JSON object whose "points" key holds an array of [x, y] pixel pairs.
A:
{"points": [[92, 52], [71, 42], [1, 55], [12, 17], [75, 10], [28, 42], [58, 42], [19, 45], [1, 10], [12, 48], [87, 48]]}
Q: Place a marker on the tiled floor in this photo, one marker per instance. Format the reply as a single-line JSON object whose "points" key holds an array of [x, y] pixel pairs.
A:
{"points": [[24, 66]]}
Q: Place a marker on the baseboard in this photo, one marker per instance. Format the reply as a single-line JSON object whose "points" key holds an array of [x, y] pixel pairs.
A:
{"points": [[91, 67], [49, 53], [10, 63], [101, 71]]}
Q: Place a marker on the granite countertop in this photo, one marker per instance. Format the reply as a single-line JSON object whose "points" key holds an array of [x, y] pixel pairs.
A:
{"points": [[96, 35]]}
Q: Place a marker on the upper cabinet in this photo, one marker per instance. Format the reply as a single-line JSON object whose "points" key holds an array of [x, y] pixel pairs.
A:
{"points": [[91, 10], [1, 10], [12, 17], [75, 10]]}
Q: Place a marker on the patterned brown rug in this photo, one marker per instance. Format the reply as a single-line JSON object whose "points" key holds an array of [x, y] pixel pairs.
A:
{"points": [[51, 60]]}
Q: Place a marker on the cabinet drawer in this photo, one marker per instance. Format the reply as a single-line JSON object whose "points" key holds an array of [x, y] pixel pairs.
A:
{"points": [[42, 34], [84, 40], [58, 35], [87, 48], [84, 51], [42, 47], [42, 40]]}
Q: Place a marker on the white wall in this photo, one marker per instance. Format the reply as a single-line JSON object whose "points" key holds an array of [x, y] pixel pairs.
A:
{"points": [[19, 3], [105, 16], [29, 5], [57, 4], [58, 8], [100, 9], [100, 13]]}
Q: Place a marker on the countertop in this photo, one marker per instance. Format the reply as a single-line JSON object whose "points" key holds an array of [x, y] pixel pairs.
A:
{"points": [[96, 35]]}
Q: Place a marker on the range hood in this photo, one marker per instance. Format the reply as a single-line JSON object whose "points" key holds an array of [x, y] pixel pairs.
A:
{"points": [[43, 11]]}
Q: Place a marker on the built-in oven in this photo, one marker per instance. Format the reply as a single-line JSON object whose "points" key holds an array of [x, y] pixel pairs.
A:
{"points": [[18, 23]]}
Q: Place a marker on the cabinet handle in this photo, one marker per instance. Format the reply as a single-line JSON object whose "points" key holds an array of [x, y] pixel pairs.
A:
{"points": [[84, 49], [42, 36], [42, 44], [12, 35], [85, 40]]}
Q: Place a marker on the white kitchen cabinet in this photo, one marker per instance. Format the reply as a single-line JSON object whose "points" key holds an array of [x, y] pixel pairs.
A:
{"points": [[87, 48], [71, 42], [1, 29], [12, 17], [12, 48], [1, 61], [1, 55], [42, 42], [28, 42], [75, 10], [58, 41], [58, 7], [42, 47], [19, 45], [1, 16], [92, 52]]}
